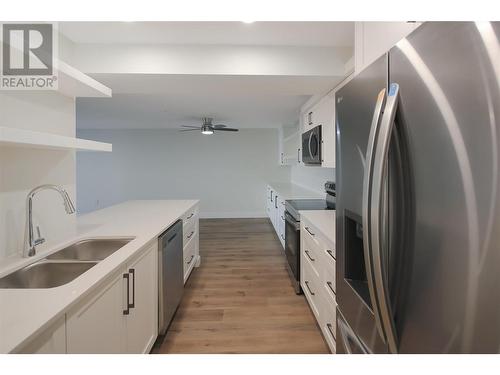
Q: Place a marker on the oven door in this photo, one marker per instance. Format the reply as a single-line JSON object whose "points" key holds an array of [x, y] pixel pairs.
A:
{"points": [[311, 146], [292, 249]]}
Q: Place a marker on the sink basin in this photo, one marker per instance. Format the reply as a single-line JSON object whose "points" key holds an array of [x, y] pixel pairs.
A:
{"points": [[93, 249], [45, 274]]}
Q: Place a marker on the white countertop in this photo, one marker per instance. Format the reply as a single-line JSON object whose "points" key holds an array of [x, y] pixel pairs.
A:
{"points": [[288, 190], [323, 220], [26, 312]]}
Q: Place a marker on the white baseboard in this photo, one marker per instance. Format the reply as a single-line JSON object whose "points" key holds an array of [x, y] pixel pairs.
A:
{"points": [[233, 215]]}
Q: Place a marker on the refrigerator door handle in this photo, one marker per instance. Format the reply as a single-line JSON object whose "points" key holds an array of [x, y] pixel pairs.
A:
{"points": [[379, 170], [367, 194]]}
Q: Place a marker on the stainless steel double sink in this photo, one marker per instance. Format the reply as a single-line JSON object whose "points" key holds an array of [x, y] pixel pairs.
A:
{"points": [[64, 265]]}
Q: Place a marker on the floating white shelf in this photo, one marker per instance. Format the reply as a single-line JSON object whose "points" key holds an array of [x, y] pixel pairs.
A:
{"points": [[75, 83], [33, 139]]}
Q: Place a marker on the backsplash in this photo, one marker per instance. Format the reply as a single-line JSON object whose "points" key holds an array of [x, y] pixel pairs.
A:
{"points": [[312, 178], [23, 168]]}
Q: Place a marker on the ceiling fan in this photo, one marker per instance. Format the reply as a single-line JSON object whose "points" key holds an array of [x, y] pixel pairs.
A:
{"points": [[207, 127]]}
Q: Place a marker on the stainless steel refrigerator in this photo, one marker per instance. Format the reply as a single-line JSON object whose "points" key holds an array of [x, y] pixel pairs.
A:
{"points": [[418, 196]]}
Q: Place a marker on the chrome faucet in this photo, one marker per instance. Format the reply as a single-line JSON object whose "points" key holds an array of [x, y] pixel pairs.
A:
{"points": [[29, 241]]}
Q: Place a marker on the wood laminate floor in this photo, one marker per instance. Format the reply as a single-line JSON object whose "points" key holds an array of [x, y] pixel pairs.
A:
{"points": [[240, 300]]}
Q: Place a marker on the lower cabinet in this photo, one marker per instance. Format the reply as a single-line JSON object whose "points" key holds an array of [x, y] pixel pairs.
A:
{"points": [[191, 242], [275, 207], [97, 325], [317, 275], [122, 316], [142, 321], [51, 341], [281, 221]]}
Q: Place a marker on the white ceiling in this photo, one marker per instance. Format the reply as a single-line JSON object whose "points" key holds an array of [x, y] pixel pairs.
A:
{"points": [[332, 34], [168, 101], [153, 101], [130, 111]]}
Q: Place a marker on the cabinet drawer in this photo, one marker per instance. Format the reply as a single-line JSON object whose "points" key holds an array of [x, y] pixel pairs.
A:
{"points": [[327, 247], [190, 216], [328, 276], [328, 322], [189, 256], [189, 231], [309, 283], [311, 254]]}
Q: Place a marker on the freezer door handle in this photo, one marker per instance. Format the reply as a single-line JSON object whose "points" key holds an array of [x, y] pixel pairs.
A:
{"points": [[377, 217], [366, 206]]}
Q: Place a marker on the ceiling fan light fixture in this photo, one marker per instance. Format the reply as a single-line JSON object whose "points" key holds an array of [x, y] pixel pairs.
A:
{"points": [[205, 129]]}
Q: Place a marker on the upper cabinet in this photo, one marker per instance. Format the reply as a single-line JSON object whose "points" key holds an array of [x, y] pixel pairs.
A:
{"points": [[290, 139], [322, 114], [373, 39]]}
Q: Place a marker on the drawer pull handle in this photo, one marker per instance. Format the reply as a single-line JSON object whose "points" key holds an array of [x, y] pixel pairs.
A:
{"points": [[330, 252], [190, 216], [329, 326], [330, 285], [190, 235], [282, 218], [132, 272], [190, 260], [307, 253], [310, 291], [283, 238], [308, 231], [126, 276]]}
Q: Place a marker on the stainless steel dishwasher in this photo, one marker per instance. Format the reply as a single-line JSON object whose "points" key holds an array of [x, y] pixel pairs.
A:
{"points": [[170, 275]]}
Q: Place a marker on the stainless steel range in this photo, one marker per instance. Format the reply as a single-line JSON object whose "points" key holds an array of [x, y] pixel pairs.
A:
{"points": [[292, 229]]}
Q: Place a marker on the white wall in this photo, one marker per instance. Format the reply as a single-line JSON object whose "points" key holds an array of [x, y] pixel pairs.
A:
{"points": [[313, 178], [21, 169], [228, 172]]}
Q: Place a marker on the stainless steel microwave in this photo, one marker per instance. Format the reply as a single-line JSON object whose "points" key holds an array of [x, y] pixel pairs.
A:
{"points": [[311, 146]]}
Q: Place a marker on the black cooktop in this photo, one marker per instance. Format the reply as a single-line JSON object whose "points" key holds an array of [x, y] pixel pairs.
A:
{"points": [[293, 206]]}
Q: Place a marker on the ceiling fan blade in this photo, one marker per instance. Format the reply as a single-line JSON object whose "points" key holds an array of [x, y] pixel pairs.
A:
{"points": [[188, 130], [226, 129], [189, 126], [218, 126]]}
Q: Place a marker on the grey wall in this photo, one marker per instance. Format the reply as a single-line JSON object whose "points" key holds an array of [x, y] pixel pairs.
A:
{"points": [[312, 178], [228, 172]]}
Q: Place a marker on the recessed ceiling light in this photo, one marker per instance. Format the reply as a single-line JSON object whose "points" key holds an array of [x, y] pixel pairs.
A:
{"points": [[248, 21]]}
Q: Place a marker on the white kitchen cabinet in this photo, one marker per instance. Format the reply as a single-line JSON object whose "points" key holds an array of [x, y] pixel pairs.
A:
{"points": [[275, 213], [328, 131], [121, 317], [317, 277], [275, 207], [50, 341], [142, 323], [323, 113], [190, 250], [290, 144], [191, 241], [97, 325], [373, 39], [269, 201], [281, 221]]}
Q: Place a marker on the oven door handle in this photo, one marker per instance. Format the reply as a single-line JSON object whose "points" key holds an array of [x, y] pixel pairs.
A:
{"points": [[290, 220]]}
